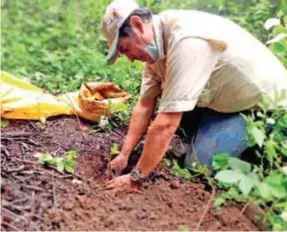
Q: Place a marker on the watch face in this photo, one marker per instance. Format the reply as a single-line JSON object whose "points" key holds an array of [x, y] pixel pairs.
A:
{"points": [[135, 175]]}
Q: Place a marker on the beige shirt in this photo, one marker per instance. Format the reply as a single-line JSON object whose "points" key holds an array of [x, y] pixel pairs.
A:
{"points": [[209, 61]]}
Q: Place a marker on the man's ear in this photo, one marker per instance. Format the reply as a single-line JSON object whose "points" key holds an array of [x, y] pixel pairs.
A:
{"points": [[137, 24]]}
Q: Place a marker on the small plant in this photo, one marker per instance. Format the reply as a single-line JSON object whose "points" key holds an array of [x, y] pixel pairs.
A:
{"points": [[4, 123], [277, 28], [115, 149], [180, 172], [183, 228], [66, 163]]}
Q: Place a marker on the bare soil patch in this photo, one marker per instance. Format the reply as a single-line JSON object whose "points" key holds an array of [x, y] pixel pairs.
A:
{"points": [[35, 197]]}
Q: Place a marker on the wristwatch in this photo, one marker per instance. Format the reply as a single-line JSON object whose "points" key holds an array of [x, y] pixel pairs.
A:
{"points": [[136, 175]]}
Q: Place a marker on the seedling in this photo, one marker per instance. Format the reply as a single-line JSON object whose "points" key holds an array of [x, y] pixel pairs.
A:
{"points": [[4, 123], [66, 163], [115, 149]]}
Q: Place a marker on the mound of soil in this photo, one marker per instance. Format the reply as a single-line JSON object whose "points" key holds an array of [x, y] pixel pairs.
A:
{"points": [[36, 197]]}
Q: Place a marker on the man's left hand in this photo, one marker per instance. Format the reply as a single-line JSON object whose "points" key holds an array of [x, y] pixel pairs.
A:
{"points": [[122, 184]]}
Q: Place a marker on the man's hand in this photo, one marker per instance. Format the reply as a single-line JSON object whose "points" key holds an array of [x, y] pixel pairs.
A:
{"points": [[122, 184], [118, 164]]}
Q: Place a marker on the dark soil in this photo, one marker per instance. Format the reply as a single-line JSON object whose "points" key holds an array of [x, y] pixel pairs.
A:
{"points": [[35, 197]]}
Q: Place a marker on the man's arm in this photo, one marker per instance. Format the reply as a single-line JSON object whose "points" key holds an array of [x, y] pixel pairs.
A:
{"points": [[158, 139], [140, 119]]}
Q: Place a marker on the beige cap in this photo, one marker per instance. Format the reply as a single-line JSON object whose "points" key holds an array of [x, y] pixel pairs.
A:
{"points": [[116, 13]]}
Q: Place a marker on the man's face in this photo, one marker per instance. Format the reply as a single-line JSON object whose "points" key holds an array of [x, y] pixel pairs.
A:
{"points": [[134, 46], [133, 49]]}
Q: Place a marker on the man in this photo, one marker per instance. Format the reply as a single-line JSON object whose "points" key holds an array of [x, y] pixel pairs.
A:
{"points": [[192, 59]]}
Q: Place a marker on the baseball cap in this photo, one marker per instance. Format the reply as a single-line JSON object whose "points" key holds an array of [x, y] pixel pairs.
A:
{"points": [[116, 13]]}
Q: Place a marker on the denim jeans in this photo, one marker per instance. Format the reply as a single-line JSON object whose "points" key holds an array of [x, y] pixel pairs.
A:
{"points": [[212, 133]]}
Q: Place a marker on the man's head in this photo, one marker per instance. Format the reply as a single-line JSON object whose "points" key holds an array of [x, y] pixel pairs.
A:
{"points": [[129, 31]]}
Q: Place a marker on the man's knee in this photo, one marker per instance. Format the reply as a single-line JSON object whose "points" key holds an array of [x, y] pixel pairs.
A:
{"points": [[216, 134]]}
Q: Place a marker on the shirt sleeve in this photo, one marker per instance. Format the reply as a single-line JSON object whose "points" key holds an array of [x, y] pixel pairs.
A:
{"points": [[190, 63], [150, 85]]}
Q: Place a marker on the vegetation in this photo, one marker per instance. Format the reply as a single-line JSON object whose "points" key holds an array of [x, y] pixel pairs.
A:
{"points": [[58, 45], [265, 182], [66, 163]]}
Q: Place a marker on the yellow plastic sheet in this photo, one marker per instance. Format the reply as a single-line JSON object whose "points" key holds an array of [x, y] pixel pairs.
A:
{"points": [[22, 100]]}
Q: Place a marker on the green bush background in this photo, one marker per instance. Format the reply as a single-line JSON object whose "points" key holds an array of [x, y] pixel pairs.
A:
{"points": [[58, 44]]}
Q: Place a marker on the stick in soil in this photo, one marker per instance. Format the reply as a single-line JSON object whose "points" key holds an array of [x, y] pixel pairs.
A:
{"points": [[54, 192], [14, 228], [16, 135], [6, 153], [19, 169], [31, 187], [78, 118], [16, 216], [24, 161], [206, 209], [245, 207], [51, 140]]}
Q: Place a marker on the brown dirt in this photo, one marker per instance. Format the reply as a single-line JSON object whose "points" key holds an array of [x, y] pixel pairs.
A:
{"points": [[35, 197]]}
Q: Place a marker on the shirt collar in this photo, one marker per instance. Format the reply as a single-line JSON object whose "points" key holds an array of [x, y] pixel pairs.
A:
{"points": [[158, 31]]}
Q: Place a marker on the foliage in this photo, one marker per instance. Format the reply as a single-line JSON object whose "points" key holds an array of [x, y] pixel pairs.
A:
{"points": [[264, 184], [66, 163], [58, 45], [277, 42], [115, 149], [180, 172], [4, 123]]}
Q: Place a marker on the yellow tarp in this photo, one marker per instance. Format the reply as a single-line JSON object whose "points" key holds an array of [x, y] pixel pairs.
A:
{"points": [[22, 100]]}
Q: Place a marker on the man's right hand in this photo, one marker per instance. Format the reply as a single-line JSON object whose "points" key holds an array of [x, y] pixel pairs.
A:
{"points": [[118, 164]]}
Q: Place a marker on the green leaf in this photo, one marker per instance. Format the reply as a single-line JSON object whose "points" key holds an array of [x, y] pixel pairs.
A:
{"points": [[47, 158], [183, 228], [228, 176], [4, 123], [237, 164], [93, 131], [70, 168], [264, 191], [284, 215], [219, 201], [181, 172], [220, 161], [60, 166], [270, 149], [284, 169], [115, 149], [278, 191], [258, 136], [274, 179], [70, 163], [58, 159], [246, 184], [278, 48], [71, 154]]}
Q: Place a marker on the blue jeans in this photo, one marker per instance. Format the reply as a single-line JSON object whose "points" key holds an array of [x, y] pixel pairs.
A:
{"points": [[213, 132]]}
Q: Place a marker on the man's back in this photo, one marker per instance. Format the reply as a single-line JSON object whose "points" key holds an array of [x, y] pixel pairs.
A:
{"points": [[245, 70]]}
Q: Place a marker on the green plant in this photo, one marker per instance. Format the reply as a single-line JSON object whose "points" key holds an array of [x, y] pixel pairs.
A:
{"points": [[115, 149], [183, 228], [264, 184], [277, 36], [4, 123], [66, 163], [178, 171]]}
